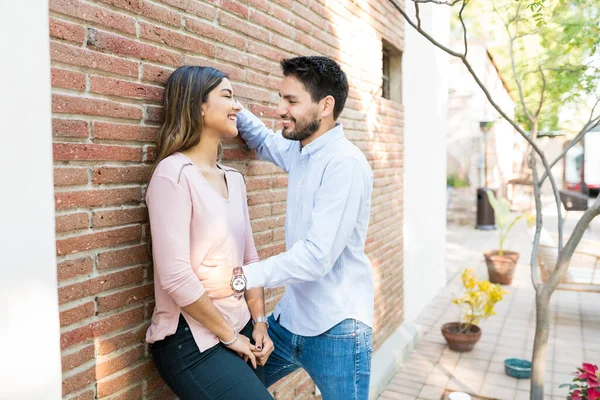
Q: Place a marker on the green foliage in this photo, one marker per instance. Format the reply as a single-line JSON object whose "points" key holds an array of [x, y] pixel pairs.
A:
{"points": [[454, 181], [560, 37], [502, 214]]}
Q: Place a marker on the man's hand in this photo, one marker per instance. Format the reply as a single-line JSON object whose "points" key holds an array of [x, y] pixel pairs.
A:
{"points": [[263, 343], [217, 279]]}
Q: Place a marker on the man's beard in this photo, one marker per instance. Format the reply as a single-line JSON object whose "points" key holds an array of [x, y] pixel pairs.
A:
{"points": [[303, 128]]}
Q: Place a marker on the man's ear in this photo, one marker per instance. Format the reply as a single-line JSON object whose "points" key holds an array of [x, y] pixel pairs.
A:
{"points": [[326, 105]]}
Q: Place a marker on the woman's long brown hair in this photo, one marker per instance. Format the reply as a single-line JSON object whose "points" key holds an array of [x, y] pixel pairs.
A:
{"points": [[186, 89]]}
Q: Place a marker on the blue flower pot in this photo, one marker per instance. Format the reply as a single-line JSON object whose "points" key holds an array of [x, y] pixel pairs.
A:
{"points": [[517, 368]]}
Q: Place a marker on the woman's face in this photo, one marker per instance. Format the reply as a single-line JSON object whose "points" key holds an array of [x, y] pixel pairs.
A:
{"points": [[220, 111]]}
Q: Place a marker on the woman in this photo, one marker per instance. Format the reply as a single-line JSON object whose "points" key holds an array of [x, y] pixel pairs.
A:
{"points": [[198, 211]]}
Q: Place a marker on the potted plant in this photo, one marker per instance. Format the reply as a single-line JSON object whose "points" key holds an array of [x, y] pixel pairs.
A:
{"points": [[476, 305], [502, 263], [586, 384]]}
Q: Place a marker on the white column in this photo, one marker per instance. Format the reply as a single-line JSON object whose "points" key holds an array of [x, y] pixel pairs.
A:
{"points": [[425, 70], [29, 326]]}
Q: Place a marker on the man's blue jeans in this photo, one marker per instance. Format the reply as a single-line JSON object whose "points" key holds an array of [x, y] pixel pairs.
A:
{"points": [[338, 361]]}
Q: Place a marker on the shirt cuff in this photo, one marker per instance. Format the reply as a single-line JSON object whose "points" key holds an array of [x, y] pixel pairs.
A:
{"points": [[255, 275]]}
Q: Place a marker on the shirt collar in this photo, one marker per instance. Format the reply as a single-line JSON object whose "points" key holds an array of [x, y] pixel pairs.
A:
{"points": [[337, 132]]}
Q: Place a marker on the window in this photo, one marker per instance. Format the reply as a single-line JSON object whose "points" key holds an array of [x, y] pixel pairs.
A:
{"points": [[391, 74]]}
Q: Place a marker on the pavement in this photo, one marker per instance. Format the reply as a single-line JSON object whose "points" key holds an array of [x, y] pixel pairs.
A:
{"points": [[432, 369]]}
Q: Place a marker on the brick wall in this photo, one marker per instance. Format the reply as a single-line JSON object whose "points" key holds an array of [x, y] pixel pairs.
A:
{"points": [[110, 59]]}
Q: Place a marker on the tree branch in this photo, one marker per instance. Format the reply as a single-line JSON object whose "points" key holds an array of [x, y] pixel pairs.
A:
{"points": [[462, 22], [537, 113], [417, 15], [591, 124], [535, 274], [565, 254], [512, 60], [445, 3]]}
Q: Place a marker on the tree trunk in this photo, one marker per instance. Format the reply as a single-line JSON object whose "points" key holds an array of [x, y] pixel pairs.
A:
{"points": [[540, 344]]}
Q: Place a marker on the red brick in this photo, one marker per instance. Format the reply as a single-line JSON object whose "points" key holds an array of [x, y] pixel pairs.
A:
{"points": [[200, 9], [266, 197], [99, 284], [62, 78], [96, 240], [155, 113], [257, 183], [264, 224], [121, 175], [77, 313], [70, 128], [247, 60], [117, 87], [112, 131], [67, 31], [152, 73], [87, 395], [91, 59], [176, 39], [154, 384], [263, 5], [70, 176], [263, 168], [71, 268], [126, 216], [108, 345], [130, 47], [263, 111], [206, 29], [78, 358], [62, 104], [102, 327], [244, 27], [124, 257], [124, 298], [114, 384], [273, 24], [165, 394], [95, 152], [70, 222], [259, 211], [131, 393], [119, 362], [146, 9], [92, 13], [272, 52], [234, 73], [78, 381], [235, 8], [95, 198], [150, 154], [271, 251]]}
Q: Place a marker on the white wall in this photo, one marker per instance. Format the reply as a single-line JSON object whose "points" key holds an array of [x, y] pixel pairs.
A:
{"points": [[425, 97], [29, 327]]}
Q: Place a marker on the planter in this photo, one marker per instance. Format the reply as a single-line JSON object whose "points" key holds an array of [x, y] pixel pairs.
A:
{"points": [[458, 341], [517, 368], [501, 268]]}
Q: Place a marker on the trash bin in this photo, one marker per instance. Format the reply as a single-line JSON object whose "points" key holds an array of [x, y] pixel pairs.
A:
{"points": [[485, 213]]}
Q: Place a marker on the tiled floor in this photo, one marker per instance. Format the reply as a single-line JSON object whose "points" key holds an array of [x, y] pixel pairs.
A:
{"points": [[574, 333]]}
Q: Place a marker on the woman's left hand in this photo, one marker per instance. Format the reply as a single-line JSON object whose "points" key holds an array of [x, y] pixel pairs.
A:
{"points": [[263, 343]]}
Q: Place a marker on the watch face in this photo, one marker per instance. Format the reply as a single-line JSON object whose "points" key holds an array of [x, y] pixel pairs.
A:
{"points": [[238, 284]]}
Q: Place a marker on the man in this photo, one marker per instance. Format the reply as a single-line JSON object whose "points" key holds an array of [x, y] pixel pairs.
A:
{"points": [[324, 321]]}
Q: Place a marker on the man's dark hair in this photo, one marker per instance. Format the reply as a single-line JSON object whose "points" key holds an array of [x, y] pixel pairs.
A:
{"points": [[321, 76]]}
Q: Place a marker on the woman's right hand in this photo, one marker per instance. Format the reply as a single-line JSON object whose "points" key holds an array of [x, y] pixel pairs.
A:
{"points": [[244, 348]]}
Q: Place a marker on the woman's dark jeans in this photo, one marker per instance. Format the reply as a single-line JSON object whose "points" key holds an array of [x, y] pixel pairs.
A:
{"points": [[217, 373]]}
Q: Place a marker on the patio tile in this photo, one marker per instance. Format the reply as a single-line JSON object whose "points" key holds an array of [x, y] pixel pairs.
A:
{"points": [[431, 392], [500, 380], [497, 392], [405, 387]]}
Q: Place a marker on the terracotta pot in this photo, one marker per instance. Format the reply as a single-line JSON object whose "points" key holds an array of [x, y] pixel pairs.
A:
{"points": [[458, 341], [501, 268]]}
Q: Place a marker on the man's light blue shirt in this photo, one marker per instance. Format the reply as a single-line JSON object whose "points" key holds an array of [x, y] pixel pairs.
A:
{"points": [[326, 274]]}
